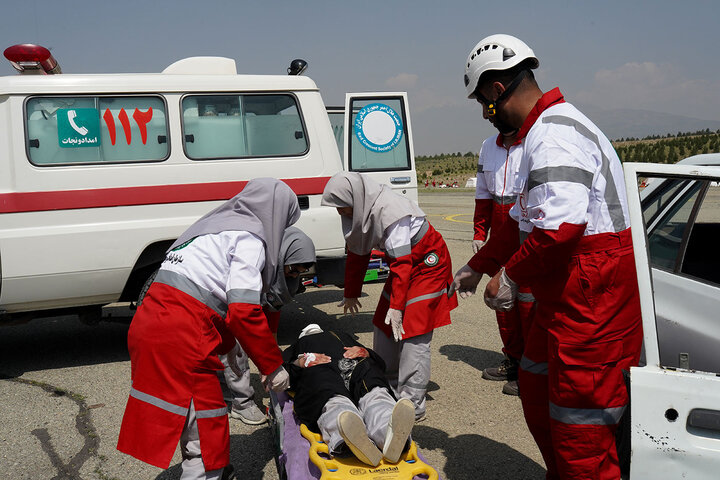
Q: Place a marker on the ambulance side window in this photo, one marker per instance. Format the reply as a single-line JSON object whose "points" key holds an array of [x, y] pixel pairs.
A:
{"points": [[88, 130], [237, 126]]}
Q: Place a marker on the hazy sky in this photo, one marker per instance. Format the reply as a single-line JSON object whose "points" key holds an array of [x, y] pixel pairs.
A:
{"points": [[651, 55]]}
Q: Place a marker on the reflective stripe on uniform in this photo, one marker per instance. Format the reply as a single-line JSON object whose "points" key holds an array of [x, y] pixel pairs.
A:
{"points": [[217, 412], [560, 174], [525, 297], [611, 195], [586, 416], [506, 200], [243, 295], [160, 403], [400, 251], [407, 249], [420, 298], [187, 286], [420, 233], [538, 368]]}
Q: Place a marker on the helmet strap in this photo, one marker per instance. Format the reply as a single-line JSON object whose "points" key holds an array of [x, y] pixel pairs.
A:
{"points": [[492, 106]]}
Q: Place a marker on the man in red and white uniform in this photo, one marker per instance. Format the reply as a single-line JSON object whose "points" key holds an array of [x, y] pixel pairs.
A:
{"points": [[577, 259], [205, 296], [498, 186], [415, 299]]}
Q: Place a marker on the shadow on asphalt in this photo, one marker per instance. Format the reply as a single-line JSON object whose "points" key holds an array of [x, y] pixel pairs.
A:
{"points": [[61, 342], [249, 454], [474, 456], [467, 456], [477, 358]]}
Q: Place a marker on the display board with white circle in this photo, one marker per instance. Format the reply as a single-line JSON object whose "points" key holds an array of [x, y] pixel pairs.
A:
{"points": [[378, 127]]}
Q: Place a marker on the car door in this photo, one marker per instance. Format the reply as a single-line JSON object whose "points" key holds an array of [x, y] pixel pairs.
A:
{"points": [[675, 404], [377, 139]]}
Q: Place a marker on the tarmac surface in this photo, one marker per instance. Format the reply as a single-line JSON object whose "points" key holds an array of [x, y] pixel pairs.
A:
{"points": [[64, 385]]}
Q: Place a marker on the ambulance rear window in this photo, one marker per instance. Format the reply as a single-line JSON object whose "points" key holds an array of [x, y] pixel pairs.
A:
{"points": [[93, 129], [242, 125]]}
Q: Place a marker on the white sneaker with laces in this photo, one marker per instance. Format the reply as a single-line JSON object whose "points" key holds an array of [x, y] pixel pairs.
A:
{"points": [[250, 416]]}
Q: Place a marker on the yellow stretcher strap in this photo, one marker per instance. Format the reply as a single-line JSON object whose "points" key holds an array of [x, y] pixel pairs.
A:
{"points": [[345, 468]]}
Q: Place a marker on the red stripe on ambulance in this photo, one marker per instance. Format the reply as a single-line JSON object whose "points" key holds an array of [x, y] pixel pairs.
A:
{"points": [[148, 195]]}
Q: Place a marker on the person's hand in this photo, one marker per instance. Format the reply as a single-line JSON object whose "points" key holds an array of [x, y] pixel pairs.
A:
{"points": [[465, 282], [277, 381], [311, 359], [477, 245], [394, 319], [500, 292], [355, 352], [351, 304]]}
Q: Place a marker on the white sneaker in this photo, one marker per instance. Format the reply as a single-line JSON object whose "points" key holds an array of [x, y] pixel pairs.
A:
{"points": [[352, 429], [399, 428], [250, 416]]}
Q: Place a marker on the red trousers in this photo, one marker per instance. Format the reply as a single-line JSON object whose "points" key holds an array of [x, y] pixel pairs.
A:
{"points": [[514, 325], [585, 331], [173, 347]]}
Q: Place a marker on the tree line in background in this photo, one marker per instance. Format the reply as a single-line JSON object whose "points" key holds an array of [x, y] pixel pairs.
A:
{"points": [[456, 168]]}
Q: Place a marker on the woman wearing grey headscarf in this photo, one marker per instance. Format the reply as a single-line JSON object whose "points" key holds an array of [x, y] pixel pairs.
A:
{"points": [[415, 299], [205, 296], [297, 256]]}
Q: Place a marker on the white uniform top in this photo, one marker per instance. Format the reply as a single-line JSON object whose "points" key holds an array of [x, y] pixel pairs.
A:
{"points": [[497, 172], [573, 176], [397, 238], [217, 269]]}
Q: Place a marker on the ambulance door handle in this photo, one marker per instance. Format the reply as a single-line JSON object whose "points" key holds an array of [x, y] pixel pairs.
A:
{"points": [[34, 143], [704, 419], [398, 180], [190, 138]]}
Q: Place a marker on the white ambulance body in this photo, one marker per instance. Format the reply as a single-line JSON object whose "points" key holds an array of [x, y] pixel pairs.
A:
{"points": [[100, 173]]}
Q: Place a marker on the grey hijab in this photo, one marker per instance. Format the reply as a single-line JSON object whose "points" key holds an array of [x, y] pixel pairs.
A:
{"points": [[296, 248], [265, 208], [375, 207]]}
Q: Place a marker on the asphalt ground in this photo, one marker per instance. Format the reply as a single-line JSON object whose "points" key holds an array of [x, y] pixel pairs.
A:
{"points": [[63, 387]]}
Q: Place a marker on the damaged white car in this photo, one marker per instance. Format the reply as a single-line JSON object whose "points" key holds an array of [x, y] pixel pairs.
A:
{"points": [[675, 406]]}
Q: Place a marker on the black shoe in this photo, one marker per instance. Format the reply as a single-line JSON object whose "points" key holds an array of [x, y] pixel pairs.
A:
{"points": [[504, 372], [511, 388], [229, 473]]}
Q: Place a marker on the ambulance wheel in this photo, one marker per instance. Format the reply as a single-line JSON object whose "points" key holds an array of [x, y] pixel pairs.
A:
{"points": [[146, 286]]}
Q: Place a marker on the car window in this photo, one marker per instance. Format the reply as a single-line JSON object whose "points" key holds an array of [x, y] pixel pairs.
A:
{"points": [[682, 219], [667, 215], [94, 129], [701, 259], [237, 126]]}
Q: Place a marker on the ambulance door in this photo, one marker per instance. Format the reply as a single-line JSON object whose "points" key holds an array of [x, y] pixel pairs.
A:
{"points": [[377, 140], [675, 394]]}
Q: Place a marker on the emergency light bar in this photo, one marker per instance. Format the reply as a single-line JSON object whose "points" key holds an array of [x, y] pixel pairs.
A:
{"points": [[28, 58]]}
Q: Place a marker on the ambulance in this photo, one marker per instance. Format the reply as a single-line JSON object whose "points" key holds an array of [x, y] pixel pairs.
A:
{"points": [[100, 173]]}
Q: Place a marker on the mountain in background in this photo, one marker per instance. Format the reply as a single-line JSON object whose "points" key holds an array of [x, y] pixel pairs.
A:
{"points": [[464, 129], [624, 123]]}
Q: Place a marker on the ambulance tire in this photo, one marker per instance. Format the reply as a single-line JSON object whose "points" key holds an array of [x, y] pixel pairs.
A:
{"points": [[146, 286]]}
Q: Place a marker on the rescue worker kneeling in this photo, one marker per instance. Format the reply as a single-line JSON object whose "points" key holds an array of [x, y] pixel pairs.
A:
{"points": [[341, 391]]}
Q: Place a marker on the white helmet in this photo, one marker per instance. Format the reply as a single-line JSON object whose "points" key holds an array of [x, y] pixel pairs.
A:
{"points": [[496, 52]]}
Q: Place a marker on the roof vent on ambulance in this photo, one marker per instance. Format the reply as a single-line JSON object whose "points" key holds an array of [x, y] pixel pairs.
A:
{"points": [[31, 59]]}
